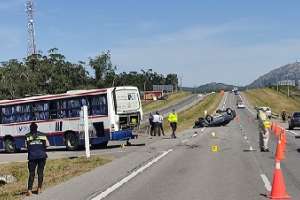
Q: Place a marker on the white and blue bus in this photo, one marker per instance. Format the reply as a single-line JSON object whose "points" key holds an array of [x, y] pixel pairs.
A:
{"points": [[113, 114]]}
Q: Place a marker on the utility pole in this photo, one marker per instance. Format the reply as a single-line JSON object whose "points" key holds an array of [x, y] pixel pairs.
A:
{"points": [[31, 46]]}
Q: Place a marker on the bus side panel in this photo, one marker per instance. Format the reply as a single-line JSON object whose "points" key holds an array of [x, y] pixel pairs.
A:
{"points": [[122, 135], [97, 140], [56, 140], [1, 143], [20, 142]]}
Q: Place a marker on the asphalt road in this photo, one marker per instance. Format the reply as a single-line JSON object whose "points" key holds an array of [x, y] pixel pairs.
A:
{"points": [[187, 168], [179, 106]]}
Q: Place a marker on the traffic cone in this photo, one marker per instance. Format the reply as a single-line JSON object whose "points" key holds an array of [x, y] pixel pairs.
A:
{"points": [[278, 186], [283, 138], [279, 155], [277, 130]]}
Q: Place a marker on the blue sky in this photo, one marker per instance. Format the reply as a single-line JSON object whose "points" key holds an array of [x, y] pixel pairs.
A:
{"points": [[203, 41]]}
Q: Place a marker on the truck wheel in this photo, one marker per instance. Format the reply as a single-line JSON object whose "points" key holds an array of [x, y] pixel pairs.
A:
{"points": [[71, 141], [9, 146]]}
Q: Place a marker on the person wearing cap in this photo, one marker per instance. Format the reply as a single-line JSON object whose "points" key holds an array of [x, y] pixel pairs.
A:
{"points": [[173, 120], [36, 143], [264, 128]]}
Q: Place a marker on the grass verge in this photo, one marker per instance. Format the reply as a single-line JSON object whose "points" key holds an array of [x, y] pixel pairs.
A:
{"points": [[56, 171], [269, 97], [172, 99], [187, 118]]}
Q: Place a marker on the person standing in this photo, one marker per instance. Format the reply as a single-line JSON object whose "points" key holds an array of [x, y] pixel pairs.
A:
{"points": [[161, 123], [156, 121], [173, 120], [264, 126], [151, 124], [36, 143]]}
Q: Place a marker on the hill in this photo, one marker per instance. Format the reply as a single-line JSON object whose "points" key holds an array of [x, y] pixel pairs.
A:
{"points": [[210, 87], [278, 101], [289, 71]]}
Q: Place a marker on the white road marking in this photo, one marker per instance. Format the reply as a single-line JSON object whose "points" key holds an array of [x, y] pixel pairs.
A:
{"points": [[266, 182], [292, 132], [183, 141], [195, 135], [109, 190], [202, 129]]}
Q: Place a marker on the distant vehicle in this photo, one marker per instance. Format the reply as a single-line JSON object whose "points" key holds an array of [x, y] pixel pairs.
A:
{"points": [[294, 121], [221, 118], [113, 114], [241, 105], [235, 91]]}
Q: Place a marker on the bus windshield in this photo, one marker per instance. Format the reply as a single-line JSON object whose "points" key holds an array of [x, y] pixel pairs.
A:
{"points": [[127, 100]]}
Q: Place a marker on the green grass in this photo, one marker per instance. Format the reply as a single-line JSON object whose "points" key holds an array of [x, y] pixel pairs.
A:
{"points": [[187, 118], [172, 99], [56, 171], [277, 101]]}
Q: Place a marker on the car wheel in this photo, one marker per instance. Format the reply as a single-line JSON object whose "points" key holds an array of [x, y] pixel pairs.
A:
{"points": [[72, 141], [9, 146]]}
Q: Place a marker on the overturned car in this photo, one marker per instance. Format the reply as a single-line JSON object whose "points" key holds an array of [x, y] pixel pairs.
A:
{"points": [[221, 118]]}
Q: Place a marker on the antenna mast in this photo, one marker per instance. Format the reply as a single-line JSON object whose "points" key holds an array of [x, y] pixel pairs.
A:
{"points": [[31, 48]]}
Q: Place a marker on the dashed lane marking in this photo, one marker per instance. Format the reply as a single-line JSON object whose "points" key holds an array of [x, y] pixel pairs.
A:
{"points": [[109, 190], [195, 135], [266, 182], [202, 129]]}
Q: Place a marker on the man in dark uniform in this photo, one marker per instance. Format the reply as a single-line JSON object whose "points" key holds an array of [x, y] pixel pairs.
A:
{"points": [[36, 143]]}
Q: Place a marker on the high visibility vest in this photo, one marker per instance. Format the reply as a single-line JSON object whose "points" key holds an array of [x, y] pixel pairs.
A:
{"points": [[267, 124], [172, 117], [36, 145]]}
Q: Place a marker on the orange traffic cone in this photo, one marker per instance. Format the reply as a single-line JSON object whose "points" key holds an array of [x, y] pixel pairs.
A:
{"points": [[278, 186], [279, 155], [277, 130], [283, 138]]}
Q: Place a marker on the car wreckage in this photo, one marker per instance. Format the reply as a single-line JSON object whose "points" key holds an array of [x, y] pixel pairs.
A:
{"points": [[221, 118]]}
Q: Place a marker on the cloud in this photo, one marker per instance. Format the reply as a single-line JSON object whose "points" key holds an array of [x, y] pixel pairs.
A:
{"points": [[202, 53]]}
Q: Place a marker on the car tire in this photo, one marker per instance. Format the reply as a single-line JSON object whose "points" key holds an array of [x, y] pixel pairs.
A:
{"points": [[229, 111], [10, 146], [72, 141], [209, 118]]}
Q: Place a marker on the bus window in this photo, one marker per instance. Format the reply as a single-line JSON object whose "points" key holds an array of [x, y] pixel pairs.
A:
{"points": [[98, 105], [40, 111]]}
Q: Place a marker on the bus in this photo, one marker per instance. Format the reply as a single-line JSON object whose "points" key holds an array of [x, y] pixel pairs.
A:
{"points": [[113, 114]]}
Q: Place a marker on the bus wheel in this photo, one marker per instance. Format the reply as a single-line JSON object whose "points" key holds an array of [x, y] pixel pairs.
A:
{"points": [[9, 145], [71, 141]]}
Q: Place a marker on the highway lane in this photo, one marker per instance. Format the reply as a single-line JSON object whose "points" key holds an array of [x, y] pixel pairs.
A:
{"points": [[186, 168], [192, 171], [179, 106]]}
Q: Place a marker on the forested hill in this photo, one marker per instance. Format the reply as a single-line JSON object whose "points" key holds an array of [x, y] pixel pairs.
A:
{"points": [[52, 74]]}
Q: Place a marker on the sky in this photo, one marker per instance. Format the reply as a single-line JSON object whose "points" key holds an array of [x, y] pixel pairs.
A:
{"points": [[229, 41]]}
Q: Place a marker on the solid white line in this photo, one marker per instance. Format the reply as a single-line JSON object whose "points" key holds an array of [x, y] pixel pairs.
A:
{"points": [[109, 190], [266, 182], [293, 132]]}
